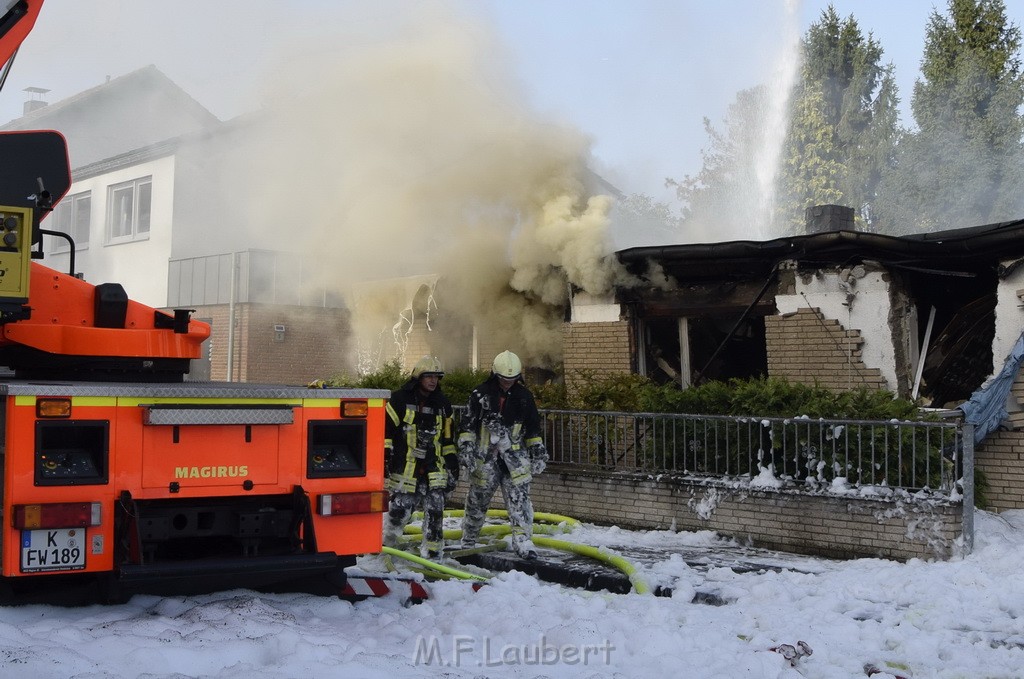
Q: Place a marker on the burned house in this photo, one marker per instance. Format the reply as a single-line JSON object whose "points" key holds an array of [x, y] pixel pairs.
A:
{"points": [[929, 316]]}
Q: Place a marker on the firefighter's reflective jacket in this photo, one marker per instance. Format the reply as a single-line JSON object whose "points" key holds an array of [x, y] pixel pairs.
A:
{"points": [[494, 415], [418, 442]]}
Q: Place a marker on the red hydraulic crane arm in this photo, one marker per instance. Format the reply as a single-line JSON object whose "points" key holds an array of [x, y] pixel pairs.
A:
{"points": [[19, 16], [71, 317]]}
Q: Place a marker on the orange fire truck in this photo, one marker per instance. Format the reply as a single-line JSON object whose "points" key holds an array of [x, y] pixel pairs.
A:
{"points": [[119, 475]]}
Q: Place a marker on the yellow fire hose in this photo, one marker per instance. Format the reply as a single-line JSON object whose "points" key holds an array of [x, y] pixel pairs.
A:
{"points": [[543, 523], [596, 553], [439, 567]]}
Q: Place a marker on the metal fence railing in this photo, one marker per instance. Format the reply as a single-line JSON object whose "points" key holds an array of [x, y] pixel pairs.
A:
{"points": [[908, 454], [798, 452], [913, 455]]}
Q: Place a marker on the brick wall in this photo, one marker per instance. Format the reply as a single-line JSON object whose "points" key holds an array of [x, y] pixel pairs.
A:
{"points": [[819, 525], [1001, 460], [806, 348], [217, 316], [313, 346], [1001, 457], [601, 349], [314, 343], [491, 344], [1015, 418], [418, 343]]}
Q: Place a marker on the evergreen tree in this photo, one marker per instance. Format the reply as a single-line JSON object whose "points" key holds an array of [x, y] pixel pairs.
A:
{"points": [[840, 137], [878, 148], [843, 123], [964, 165], [811, 169]]}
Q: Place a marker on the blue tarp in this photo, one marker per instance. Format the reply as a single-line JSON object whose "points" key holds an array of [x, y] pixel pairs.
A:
{"points": [[986, 408]]}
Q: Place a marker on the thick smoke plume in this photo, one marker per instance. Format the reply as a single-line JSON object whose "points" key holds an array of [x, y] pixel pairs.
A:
{"points": [[414, 155]]}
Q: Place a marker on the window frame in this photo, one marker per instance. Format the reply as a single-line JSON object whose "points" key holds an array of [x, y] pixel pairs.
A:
{"points": [[133, 232], [70, 204]]}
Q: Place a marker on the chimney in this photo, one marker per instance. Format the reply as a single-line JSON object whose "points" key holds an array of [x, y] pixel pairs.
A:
{"points": [[825, 218], [34, 102]]}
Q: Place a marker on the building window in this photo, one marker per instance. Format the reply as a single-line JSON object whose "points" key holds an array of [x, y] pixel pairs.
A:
{"points": [[128, 210], [72, 216]]}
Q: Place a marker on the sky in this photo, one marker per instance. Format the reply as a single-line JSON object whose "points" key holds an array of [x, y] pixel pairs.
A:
{"points": [[636, 77], [957, 619]]}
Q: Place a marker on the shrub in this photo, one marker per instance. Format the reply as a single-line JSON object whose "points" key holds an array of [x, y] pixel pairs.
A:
{"points": [[624, 392], [390, 376], [762, 397], [551, 395], [459, 383]]}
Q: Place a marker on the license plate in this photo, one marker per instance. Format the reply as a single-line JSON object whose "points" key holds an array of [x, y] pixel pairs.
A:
{"points": [[52, 550]]}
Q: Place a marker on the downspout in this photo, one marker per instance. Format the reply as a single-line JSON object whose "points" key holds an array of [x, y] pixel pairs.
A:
{"points": [[475, 358], [231, 317]]}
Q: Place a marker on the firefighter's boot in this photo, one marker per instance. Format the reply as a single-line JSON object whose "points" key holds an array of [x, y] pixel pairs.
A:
{"points": [[431, 550], [392, 533], [524, 546]]}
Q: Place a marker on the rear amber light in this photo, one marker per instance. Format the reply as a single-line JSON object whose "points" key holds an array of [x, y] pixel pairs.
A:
{"points": [[56, 515], [353, 503], [53, 407], [354, 408]]}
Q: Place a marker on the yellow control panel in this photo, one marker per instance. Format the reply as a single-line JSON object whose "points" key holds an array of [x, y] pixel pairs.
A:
{"points": [[15, 252]]}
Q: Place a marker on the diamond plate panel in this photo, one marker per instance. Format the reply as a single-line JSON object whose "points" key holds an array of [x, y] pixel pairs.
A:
{"points": [[163, 415]]}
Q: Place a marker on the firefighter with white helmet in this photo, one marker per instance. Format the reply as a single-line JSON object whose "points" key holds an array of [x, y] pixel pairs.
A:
{"points": [[500, 442], [420, 455]]}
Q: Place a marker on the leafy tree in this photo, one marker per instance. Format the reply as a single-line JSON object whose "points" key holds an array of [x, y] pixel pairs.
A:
{"points": [[645, 221], [729, 191], [964, 165]]}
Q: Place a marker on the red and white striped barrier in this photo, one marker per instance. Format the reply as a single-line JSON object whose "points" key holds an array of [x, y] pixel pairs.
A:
{"points": [[371, 586]]}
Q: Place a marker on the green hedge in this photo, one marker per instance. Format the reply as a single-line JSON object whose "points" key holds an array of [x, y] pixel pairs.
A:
{"points": [[456, 384], [762, 397]]}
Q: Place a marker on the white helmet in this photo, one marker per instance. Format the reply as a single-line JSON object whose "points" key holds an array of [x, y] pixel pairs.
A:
{"points": [[428, 365], [507, 365]]}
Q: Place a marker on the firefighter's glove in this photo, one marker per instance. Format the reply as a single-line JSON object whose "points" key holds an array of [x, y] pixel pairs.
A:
{"points": [[538, 458], [425, 438], [317, 384], [467, 454], [424, 443], [494, 425]]}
